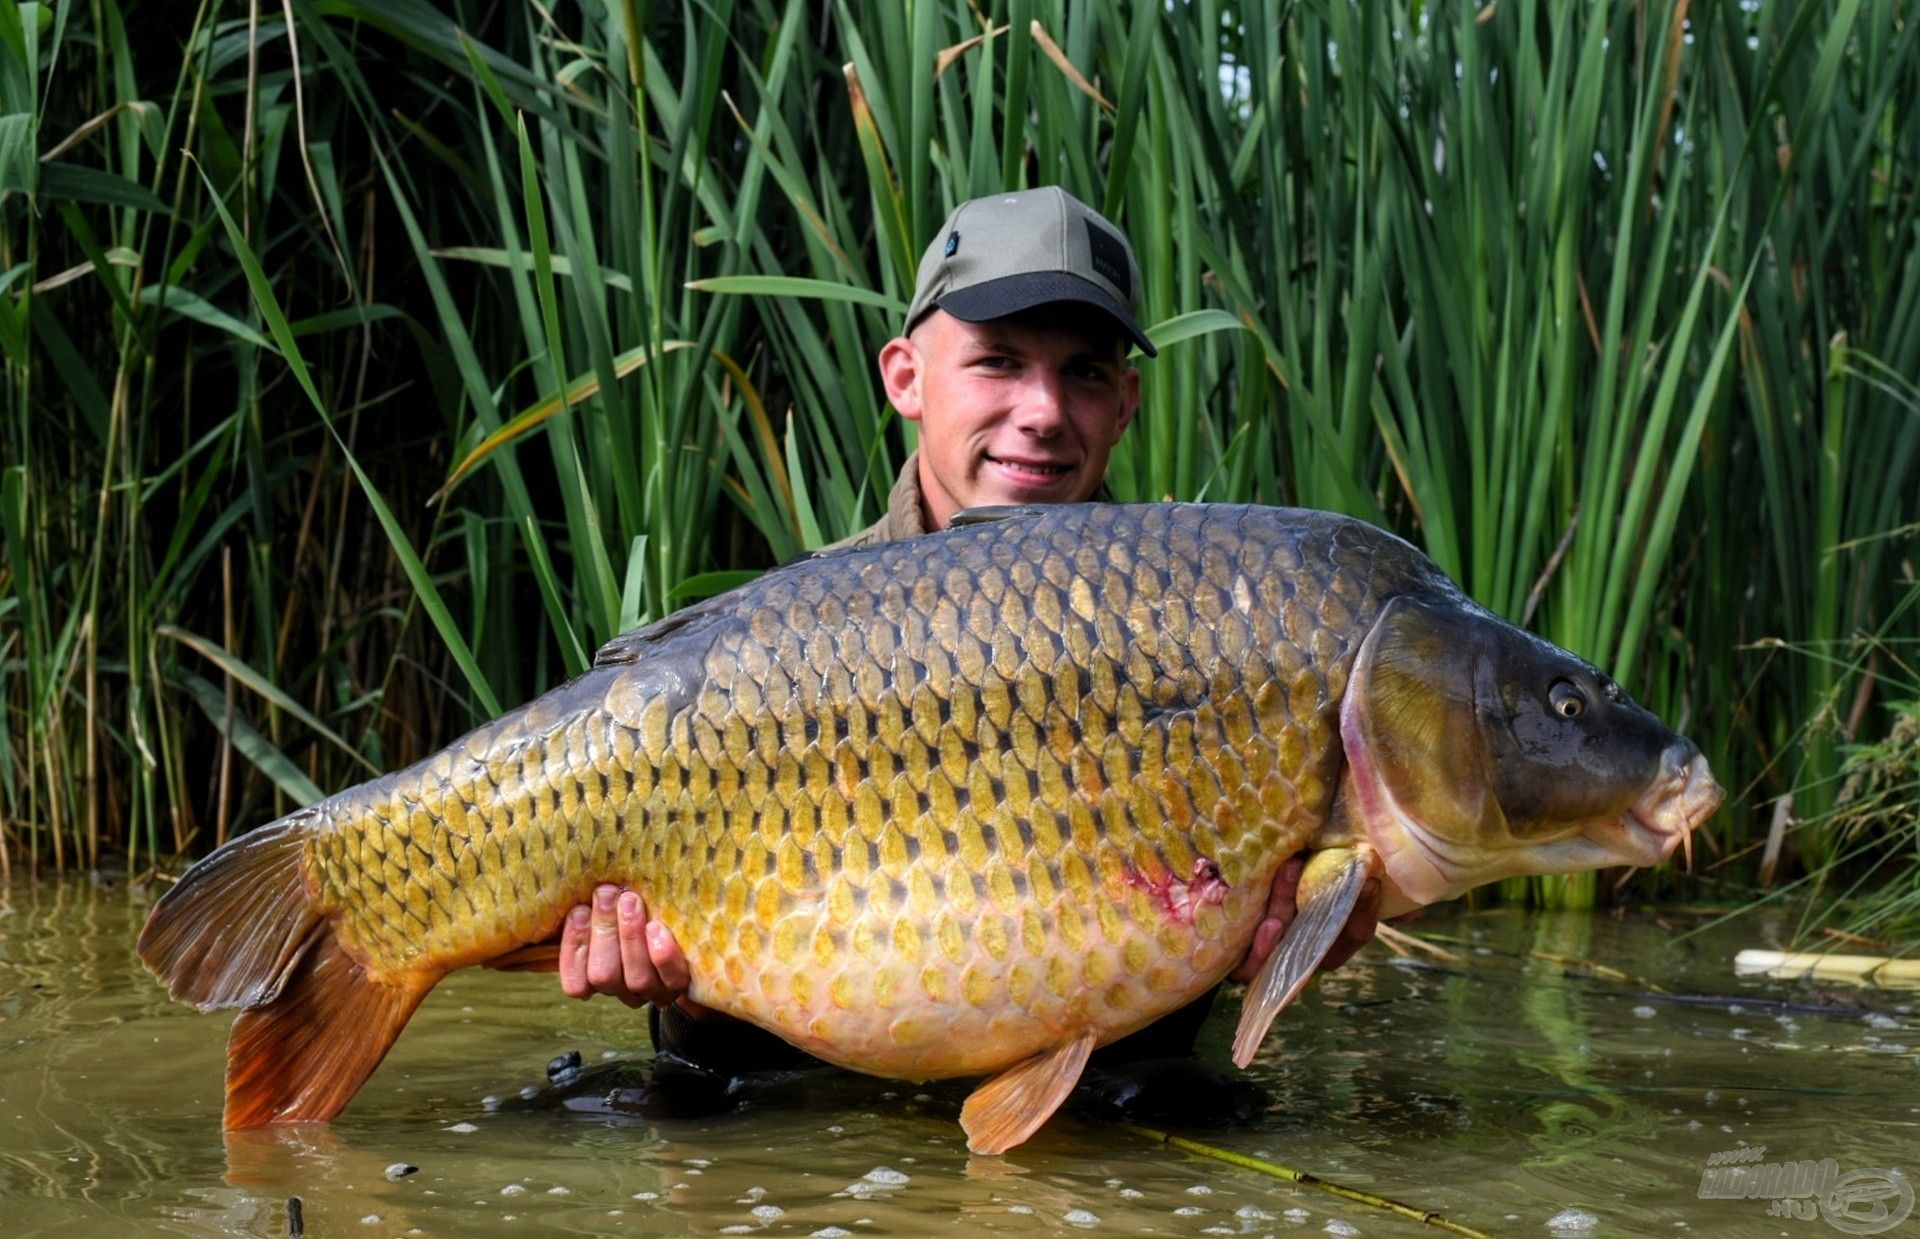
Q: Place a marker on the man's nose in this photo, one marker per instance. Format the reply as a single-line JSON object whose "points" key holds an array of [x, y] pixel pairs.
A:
{"points": [[1042, 409]]}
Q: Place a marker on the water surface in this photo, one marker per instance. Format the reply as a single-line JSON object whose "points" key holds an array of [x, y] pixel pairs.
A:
{"points": [[1498, 1090]]}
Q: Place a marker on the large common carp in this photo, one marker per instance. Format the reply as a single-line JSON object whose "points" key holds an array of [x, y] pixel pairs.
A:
{"points": [[970, 804]]}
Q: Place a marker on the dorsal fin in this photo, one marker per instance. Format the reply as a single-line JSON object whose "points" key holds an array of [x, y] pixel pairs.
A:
{"points": [[631, 647], [995, 512]]}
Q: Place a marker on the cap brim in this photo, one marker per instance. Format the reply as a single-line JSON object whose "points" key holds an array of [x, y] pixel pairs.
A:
{"points": [[1011, 294]]}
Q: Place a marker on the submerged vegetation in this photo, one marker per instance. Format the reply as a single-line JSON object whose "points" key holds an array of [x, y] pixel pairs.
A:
{"points": [[367, 364]]}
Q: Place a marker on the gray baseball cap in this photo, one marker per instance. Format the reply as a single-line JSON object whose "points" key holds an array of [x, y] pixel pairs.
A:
{"points": [[1005, 253]]}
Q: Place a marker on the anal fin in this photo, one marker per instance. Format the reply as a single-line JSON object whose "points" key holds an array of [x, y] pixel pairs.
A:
{"points": [[302, 1057], [1329, 887], [1011, 1106]]}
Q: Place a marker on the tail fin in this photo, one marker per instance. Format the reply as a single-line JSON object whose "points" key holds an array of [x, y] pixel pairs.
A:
{"points": [[233, 927], [304, 1055], [239, 930]]}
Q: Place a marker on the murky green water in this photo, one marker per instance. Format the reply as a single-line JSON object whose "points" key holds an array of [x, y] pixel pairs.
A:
{"points": [[1499, 1091]]}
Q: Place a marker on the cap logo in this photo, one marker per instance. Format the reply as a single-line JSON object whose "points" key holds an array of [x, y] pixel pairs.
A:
{"points": [[1109, 256], [953, 244]]}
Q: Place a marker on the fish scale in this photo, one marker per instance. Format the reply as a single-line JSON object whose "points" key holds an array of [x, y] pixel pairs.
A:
{"points": [[946, 781]]}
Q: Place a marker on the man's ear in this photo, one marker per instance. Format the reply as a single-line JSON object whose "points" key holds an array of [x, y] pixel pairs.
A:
{"points": [[900, 375], [1129, 399]]}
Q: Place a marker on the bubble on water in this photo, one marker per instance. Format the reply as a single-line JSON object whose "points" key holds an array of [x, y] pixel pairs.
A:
{"points": [[557, 1190], [1199, 1189], [836, 1129], [702, 1162], [490, 1103], [738, 1228], [1297, 1214], [1188, 1211], [1338, 1227], [1252, 1213], [609, 1054], [513, 1189], [463, 1128], [372, 1219], [529, 1092], [1711, 1095], [1080, 1217], [1645, 1012], [831, 1232], [400, 1170], [646, 1195], [1573, 1222], [1219, 1230], [1876, 1019], [886, 1176], [1021, 1209], [767, 1213], [1131, 1193]]}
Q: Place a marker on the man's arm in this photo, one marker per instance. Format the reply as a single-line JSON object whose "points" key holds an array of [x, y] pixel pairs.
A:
{"points": [[610, 947]]}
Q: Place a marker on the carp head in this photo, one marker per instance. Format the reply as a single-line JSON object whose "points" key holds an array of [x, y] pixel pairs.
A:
{"points": [[1478, 751]]}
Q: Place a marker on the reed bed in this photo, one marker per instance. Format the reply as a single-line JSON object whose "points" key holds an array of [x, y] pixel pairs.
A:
{"points": [[368, 364]]}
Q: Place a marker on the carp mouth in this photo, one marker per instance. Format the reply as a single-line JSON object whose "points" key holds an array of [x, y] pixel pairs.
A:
{"points": [[1664, 818]]}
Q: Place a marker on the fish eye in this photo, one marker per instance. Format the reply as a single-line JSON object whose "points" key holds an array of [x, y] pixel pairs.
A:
{"points": [[1566, 700]]}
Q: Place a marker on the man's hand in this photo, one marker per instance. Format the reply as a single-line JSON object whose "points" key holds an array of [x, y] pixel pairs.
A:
{"points": [[1280, 913], [610, 947]]}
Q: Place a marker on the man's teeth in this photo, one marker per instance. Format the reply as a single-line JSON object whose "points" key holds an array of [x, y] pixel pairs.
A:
{"points": [[1027, 468]]}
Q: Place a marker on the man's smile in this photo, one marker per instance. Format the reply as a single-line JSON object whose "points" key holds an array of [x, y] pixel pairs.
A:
{"points": [[1032, 472]]}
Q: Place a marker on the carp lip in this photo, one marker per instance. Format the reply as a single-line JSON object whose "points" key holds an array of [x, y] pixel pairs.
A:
{"points": [[1665, 818]]}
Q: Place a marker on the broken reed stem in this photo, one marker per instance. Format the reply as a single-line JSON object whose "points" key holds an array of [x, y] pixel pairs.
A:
{"points": [[1569, 962], [1305, 1178]]}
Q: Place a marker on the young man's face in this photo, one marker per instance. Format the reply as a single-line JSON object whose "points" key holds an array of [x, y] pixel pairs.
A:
{"points": [[1014, 410]]}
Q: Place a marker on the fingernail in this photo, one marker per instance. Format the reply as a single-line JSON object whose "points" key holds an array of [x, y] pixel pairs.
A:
{"points": [[578, 917], [629, 903], [603, 898]]}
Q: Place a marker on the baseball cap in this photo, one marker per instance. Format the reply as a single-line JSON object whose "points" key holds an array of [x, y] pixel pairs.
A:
{"points": [[1005, 253]]}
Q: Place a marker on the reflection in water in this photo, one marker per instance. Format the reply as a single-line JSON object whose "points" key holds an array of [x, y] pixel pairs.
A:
{"points": [[1498, 1090]]}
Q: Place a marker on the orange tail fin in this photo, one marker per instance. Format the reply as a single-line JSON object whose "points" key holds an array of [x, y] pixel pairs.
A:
{"points": [[304, 1055], [239, 930]]}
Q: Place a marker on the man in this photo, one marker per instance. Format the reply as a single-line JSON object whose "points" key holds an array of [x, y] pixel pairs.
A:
{"points": [[1014, 364]]}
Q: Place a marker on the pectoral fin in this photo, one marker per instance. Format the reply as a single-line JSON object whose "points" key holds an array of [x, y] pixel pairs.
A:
{"points": [[1328, 889], [1011, 1106]]}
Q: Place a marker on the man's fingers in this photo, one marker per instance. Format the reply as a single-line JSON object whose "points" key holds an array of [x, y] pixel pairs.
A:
{"points": [[1273, 927], [1280, 899], [573, 954], [638, 976], [1359, 928], [668, 962], [1265, 937], [606, 969]]}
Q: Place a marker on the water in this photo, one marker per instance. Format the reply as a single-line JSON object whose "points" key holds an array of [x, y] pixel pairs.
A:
{"points": [[1497, 1090]]}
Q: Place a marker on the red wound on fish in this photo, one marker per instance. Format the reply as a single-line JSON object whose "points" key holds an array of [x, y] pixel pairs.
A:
{"points": [[1181, 898]]}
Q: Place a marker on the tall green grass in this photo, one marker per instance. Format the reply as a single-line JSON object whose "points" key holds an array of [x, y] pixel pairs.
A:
{"points": [[514, 326]]}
